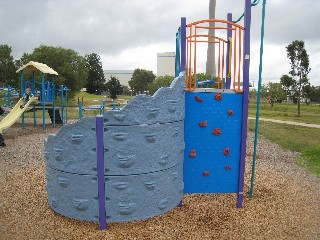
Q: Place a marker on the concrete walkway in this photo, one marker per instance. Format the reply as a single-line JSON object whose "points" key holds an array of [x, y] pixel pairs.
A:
{"points": [[288, 122]]}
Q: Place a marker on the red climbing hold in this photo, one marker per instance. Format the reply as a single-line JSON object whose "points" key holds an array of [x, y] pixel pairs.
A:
{"points": [[218, 96], [230, 112], [216, 131], [227, 167], [193, 153], [198, 99], [206, 173], [203, 124], [226, 151]]}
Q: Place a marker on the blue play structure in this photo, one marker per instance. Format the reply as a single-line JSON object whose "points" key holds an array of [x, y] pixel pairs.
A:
{"points": [[46, 91], [137, 162]]}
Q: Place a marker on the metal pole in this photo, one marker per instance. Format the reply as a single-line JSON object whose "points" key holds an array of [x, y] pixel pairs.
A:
{"points": [[34, 108], [9, 96], [101, 178], [183, 44], [21, 92], [53, 103], [177, 60], [43, 102], [61, 104], [229, 35], [80, 110], [258, 100], [66, 105], [244, 129]]}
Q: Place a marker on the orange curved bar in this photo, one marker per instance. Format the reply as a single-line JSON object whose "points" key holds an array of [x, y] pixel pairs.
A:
{"points": [[216, 21]]}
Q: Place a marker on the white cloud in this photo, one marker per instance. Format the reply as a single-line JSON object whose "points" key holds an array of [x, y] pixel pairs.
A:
{"points": [[128, 34]]}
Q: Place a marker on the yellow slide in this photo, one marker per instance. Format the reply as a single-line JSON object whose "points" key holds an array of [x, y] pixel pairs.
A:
{"points": [[15, 113]]}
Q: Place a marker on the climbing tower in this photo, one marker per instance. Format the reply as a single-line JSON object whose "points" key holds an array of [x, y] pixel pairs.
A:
{"points": [[216, 118]]}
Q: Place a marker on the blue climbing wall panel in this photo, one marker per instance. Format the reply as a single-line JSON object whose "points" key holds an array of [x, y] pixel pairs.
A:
{"points": [[212, 136]]}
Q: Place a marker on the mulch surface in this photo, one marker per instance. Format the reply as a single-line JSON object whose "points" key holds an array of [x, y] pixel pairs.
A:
{"points": [[285, 205]]}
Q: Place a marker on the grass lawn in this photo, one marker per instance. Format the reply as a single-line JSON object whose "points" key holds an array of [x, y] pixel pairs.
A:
{"points": [[287, 112], [294, 138]]}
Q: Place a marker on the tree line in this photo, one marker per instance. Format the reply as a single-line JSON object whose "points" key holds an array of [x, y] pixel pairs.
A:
{"points": [[295, 85], [77, 72]]}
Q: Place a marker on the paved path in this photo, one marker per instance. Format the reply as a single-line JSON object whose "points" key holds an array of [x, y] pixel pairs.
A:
{"points": [[288, 122]]}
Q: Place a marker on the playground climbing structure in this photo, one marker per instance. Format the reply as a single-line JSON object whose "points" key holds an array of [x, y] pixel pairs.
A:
{"points": [[216, 118], [183, 139]]}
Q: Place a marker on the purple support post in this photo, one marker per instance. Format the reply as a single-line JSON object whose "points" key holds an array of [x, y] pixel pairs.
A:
{"points": [[183, 44], [229, 35], [100, 167], [246, 65]]}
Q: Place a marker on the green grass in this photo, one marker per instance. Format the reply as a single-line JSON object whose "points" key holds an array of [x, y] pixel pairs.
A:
{"points": [[287, 112], [294, 138]]}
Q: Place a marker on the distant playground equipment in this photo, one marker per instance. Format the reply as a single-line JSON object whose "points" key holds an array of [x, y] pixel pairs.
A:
{"points": [[101, 108], [82, 108], [137, 162], [10, 94], [43, 98]]}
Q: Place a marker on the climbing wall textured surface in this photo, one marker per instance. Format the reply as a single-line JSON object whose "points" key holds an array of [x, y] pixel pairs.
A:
{"points": [[212, 137], [144, 150]]}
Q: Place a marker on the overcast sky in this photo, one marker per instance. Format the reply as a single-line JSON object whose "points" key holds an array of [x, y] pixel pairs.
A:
{"points": [[128, 34]]}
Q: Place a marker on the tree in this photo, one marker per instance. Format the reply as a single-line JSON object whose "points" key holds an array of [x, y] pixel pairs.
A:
{"points": [[114, 87], [299, 61], [273, 92], [162, 81], [210, 66], [313, 93], [8, 74], [126, 91], [95, 80], [204, 77], [70, 66], [140, 80]]}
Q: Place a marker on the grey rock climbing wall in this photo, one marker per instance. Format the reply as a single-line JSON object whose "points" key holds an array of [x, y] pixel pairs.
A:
{"points": [[144, 150]]}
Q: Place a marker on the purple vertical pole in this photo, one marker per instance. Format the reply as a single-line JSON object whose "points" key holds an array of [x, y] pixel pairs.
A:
{"points": [[229, 35], [183, 38], [100, 167], [183, 44], [246, 65]]}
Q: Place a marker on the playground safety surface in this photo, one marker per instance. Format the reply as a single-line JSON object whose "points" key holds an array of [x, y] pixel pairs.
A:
{"points": [[285, 204]]}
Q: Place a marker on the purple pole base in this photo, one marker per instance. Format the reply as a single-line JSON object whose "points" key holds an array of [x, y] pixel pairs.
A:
{"points": [[239, 200]]}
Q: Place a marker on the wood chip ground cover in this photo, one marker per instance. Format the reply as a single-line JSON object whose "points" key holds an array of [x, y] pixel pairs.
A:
{"points": [[286, 202]]}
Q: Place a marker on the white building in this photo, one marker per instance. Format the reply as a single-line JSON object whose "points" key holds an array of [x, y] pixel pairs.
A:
{"points": [[166, 64], [124, 76]]}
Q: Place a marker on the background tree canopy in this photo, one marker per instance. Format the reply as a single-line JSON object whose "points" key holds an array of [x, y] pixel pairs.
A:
{"points": [[299, 61], [162, 81], [273, 92], [95, 80], [140, 80], [8, 74], [70, 66], [114, 87]]}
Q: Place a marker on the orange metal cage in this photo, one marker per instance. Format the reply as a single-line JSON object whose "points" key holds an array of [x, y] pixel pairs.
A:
{"points": [[197, 34]]}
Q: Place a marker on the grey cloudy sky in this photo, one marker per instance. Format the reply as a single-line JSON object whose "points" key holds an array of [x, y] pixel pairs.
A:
{"points": [[128, 33]]}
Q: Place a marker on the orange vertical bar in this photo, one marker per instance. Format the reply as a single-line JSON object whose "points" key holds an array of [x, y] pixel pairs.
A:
{"points": [[219, 81], [189, 58], [195, 59], [235, 59], [223, 53]]}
